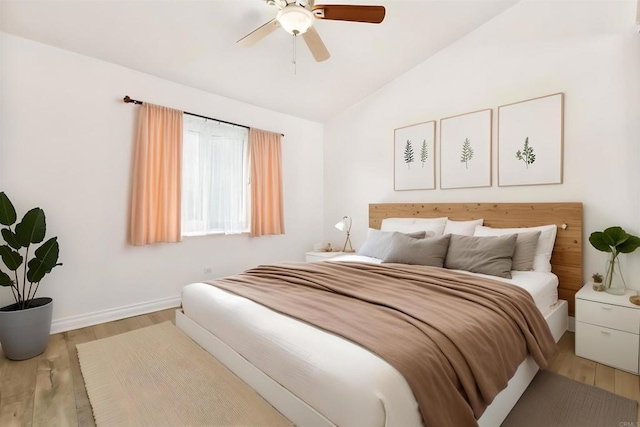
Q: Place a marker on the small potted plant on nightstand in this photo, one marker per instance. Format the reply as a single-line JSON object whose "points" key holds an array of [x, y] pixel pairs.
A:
{"points": [[597, 282]]}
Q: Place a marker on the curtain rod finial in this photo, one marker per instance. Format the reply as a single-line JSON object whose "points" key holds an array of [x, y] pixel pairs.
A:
{"points": [[127, 99]]}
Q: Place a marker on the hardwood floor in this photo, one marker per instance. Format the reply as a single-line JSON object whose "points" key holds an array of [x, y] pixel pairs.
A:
{"points": [[48, 390]]}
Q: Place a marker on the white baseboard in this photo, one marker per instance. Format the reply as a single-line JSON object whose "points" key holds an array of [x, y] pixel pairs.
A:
{"points": [[572, 324], [90, 319]]}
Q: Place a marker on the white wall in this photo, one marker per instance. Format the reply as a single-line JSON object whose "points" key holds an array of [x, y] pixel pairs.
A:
{"points": [[590, 50], [66, 144]]}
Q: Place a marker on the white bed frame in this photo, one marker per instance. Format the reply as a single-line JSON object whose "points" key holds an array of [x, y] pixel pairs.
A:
{"points": [[302, 414]]}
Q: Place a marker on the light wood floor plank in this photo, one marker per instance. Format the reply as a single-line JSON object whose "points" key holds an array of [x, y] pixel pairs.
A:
{"points": [[18, 390], [54, 403], [627, 385], [163, 316], [605, 377], [83, 406]]}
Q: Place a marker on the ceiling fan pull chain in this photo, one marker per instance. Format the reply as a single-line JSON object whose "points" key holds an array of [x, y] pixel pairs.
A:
{"points": [[295, 63]]}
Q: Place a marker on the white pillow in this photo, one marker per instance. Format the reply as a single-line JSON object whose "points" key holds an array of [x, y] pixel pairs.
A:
{"points": [[411, 225], [464, 228], [542, 260]]}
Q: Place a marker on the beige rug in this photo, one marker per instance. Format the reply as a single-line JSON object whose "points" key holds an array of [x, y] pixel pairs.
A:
{"points": [[157, 376], [554, 400]]}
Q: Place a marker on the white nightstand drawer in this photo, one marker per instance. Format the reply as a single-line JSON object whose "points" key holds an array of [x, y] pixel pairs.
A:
{"points": [[608, 315], [608, 346]]}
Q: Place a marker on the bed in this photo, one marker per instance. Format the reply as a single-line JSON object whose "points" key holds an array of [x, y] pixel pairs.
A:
{"points": [[317, 378]]}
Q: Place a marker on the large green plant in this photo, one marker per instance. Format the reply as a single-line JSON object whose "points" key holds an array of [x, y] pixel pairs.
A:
{"points": [[29, 231], [616, 241]]}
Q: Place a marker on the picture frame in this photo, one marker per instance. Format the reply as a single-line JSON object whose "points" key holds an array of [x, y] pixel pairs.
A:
{"points": [[531, 141], [414, 157], [465, 150]]}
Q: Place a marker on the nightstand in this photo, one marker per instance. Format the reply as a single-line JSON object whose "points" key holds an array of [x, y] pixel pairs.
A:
{"points": [[608, 328], [320, 256]]}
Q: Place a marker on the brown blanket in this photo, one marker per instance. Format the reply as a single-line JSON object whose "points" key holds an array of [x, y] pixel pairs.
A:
{"points": [[456, 339]]}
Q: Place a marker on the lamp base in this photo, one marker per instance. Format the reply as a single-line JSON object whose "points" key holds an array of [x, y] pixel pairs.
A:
{"points": [[348, 242]]}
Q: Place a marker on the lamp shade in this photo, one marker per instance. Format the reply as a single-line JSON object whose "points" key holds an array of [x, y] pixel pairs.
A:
{"points": [[342, 225], [295, 19]]}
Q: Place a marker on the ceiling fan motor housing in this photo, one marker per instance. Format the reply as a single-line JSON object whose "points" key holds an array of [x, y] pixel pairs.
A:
{"points": [[295, 19]]}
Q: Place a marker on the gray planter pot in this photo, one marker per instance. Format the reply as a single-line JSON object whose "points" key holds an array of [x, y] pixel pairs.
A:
{"points": [[25, 333]]}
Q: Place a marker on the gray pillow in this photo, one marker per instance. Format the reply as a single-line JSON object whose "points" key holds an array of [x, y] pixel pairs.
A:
{"points": [[428, 251], [525, 252], [378, 242], [487, 255]]}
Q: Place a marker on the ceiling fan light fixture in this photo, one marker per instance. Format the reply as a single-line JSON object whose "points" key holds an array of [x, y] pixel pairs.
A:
{"points": [[295, 19]]}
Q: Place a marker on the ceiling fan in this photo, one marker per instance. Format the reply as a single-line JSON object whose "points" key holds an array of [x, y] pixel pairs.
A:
{"points": [[296, 17]]}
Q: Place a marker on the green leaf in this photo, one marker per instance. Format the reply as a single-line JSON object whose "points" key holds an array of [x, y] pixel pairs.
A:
{"points": [[7, 211], [615, 236], [46, 258], [597, 241], [32, 228], [10, 237], [5, 280], [12, 259], [630, 245]]}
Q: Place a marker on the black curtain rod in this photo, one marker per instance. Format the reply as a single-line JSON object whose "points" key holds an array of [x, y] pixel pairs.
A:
{"points": [[129, 100]]}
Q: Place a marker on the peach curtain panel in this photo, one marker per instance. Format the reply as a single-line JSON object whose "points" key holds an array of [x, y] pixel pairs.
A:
{"points": [[157, 171], [267, 212]]}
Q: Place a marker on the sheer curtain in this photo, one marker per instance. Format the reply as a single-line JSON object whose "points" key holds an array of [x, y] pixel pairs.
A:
{"points": [[267, 211], [157, 168], [215, 180]]}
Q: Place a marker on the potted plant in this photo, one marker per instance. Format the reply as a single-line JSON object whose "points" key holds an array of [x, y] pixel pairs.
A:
{"points": [[25, 326], [597, 282], [616, 241]]}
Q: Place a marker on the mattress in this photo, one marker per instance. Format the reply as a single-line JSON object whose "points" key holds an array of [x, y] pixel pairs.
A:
{"points": [[345, 382]]}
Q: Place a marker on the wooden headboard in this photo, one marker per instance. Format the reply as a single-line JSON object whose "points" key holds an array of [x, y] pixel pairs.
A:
{"points": [[566, 261]]}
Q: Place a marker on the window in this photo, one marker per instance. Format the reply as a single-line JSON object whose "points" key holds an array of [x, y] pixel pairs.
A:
{"points": [[214, 177]]}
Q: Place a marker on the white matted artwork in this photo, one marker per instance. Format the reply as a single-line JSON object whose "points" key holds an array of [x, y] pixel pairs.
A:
{"points": [[530, 141], [414, 157], [465, 150]]}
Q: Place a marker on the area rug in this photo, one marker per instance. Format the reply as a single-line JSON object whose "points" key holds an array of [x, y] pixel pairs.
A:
{"points": [[157, 376], [552, 400]]}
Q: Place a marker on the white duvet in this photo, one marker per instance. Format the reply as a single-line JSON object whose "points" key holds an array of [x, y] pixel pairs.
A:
{"points": [[343, 381]]}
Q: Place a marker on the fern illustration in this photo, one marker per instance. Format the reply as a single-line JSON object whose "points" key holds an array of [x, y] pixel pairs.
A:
{"points": [[467, 153], [424, 152], [408, 154], [526, 155]]}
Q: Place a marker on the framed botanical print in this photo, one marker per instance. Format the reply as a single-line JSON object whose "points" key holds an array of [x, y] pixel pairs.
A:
{"points": [[465, 150], [414, 157], [530, 141]]}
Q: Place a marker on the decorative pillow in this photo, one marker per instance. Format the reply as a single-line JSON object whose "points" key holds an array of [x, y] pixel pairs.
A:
{"points": [[428, 251], [542, 259], [464, 228], [525, 253], [378, 242], [486, 255], [410, 225]]}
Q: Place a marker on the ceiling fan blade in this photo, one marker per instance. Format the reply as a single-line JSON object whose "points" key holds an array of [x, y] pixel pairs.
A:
{"points": [[258, 34], [315, 44], [343, 12]]}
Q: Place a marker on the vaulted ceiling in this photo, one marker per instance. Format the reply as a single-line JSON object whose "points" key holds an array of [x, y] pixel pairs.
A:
{"points": [[194, 43]]}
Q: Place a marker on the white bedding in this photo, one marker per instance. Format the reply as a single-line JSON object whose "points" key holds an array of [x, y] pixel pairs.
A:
{"points": [[542, 286], [343, 381]]}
